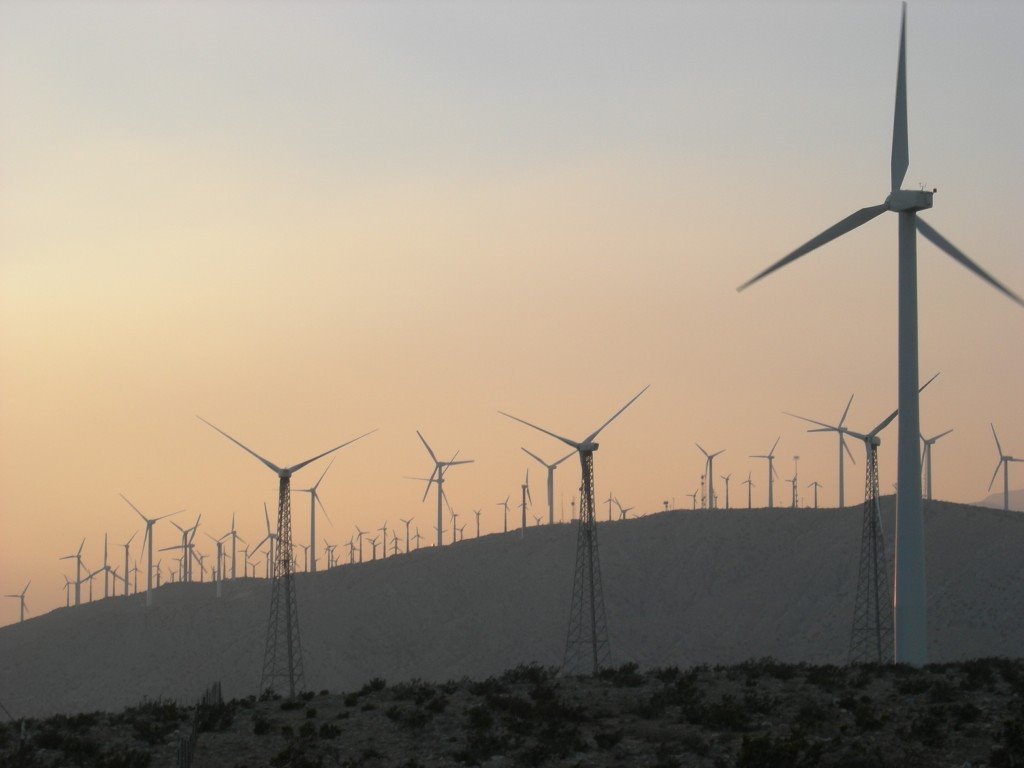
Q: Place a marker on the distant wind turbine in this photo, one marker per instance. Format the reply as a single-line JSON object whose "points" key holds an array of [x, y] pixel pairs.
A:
{"points": [[926, 459], [750, 484], [20, 597], [147, 541], [314, 499], [840, 431], [710, 464], [1004, 462], [437, 476], [551, 480], [772, 472]]}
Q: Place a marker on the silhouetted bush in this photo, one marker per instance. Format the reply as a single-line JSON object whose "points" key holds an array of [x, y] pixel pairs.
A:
{"points": [[626, 676], [528, 673], [608, 739], [260, 725]]}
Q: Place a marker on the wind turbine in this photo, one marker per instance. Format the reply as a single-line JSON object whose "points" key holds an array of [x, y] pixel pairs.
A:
{"points": [[126, 545], [926, 459], [710, 459], [77, 557], [359, 535], [286, 621], [1004, 462], [622, 510], [234, 545], [815, 485], [750, 484], [220, 557], [551, 480], [437, 476], [840, 431], [609, 501], [147, 539], [67, 591], [522, 506], [475, 512], [693, 498], [21, 598], [587, 624], [314, 499], [384, 541], [504, 506], [772, 472], [407, 522], [417, 538], [911, 637], [726, 478]]}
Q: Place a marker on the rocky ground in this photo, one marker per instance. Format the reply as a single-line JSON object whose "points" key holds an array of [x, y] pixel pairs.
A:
{"points": [[760, 713]]}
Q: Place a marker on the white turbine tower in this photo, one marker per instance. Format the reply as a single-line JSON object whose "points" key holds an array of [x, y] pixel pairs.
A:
{"points": [[840, 430], [437, 476], [551, 480], [126, 545], [1004, 462], [911, 636], [815, 485], [526, 498], [750, 484], [926, 459], [314, 499], [504, 506], [77, 557], [710, 464], [772, 472], [147, 542], [21, 598], [726, 478]]}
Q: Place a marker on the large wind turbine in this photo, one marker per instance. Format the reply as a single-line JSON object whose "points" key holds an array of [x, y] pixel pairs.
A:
{"points": [[147, 541], [551, 480], [926, 458], [314, 499], [587, 624], [772, 472], [911, 639], [840, 430], [710, 459], [437, 476], [21, 598], [283, 619], [1004, 462]]}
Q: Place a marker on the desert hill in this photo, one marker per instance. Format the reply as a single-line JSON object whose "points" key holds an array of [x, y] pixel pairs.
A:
{"points": [[681, 588]]}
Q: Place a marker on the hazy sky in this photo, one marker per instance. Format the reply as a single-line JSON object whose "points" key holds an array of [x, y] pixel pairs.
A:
{"points": [[304, 221]]}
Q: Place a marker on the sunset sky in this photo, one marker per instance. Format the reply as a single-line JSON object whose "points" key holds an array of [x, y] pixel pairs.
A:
{"points": [[304, 221]]}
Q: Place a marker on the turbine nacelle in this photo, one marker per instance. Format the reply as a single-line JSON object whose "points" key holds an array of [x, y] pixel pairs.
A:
{"points": [[588, 447], [910, 200]]}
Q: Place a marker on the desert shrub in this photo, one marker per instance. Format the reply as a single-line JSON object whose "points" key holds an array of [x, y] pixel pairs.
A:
{"points": [[864, 715], [764, 751], [153, 732], [214, 717], [351, 699], [376, 684], [308, 730], [665, 674], [928, 727], [488, 687], [329, 731], [726, 714], [942, 691], [828, 677], [122, 757], [260, 725], [607, 739], [695, 743], [759, 702], [977, 673], [294, 755], [767, 666], [414, 690], [528, 673], [291, 704], [810, 713], [913, 686], [437, 704], [479, 718], [307, 695], [965, 712], [311, 712], [287, 731], [1009, 750], [410, 717], [626, 676]]}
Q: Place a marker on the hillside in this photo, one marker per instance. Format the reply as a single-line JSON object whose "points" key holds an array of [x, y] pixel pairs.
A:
{"points": [[681, 588]]}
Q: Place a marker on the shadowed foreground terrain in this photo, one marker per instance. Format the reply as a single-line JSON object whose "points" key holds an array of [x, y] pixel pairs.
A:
{"points": [[681, 588], [760, 714]]}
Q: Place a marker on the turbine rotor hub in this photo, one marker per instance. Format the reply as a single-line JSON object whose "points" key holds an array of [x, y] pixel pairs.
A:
{"points": [[910, 200]]}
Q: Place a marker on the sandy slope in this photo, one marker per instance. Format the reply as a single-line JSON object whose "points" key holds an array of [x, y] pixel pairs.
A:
{"points": [[680, 587]]}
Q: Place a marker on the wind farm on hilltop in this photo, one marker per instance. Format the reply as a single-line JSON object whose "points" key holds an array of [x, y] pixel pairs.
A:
{"points": [[517, 248]]}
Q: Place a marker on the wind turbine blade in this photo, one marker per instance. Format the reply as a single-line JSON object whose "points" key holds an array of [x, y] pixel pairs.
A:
{"points": [[534, 455], [827, 428], [301, 464], [271, 466], [424, 441], [998, 446], [568, 455], [895, 413], [842, 439], [957, 255], [995, 474], [776, 445], [565, 440], [900, 146], [169, 514], [854, 220], [80, 547], [317, 484], [702, 451], [456, 463], [266, 515], [427, 489], [133, 507], [846, 410], [597, 431], [323, 509], [265, 538], [942, 435]]}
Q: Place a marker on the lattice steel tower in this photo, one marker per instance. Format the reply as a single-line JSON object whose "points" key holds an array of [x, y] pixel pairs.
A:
{"points": [[871, 640], [586, 646], [282, 657]]}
